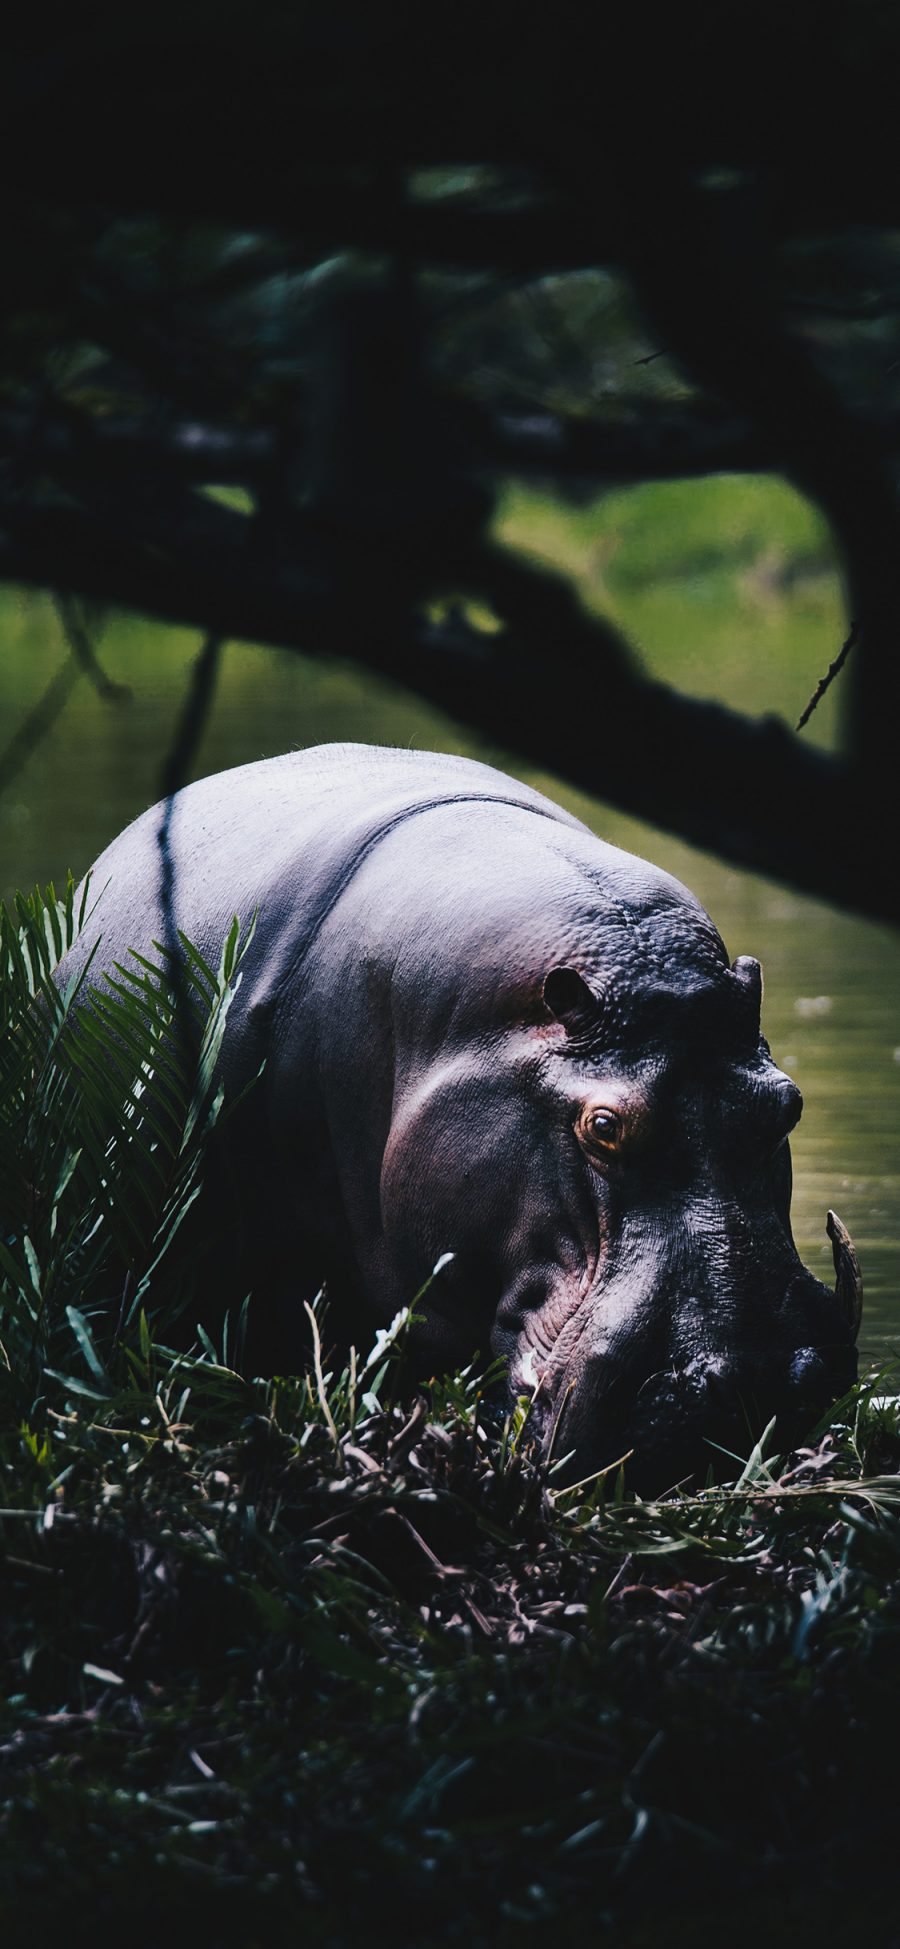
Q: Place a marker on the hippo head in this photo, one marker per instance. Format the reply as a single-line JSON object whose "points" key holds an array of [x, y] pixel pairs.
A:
{"points": [[608, 1160], [695, 1322]]}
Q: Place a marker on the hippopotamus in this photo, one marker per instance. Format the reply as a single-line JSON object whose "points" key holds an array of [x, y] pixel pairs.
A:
{"points": [[476, 1036]]}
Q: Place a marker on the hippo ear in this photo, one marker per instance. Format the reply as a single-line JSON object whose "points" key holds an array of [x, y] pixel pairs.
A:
{"points": [[569, 998], [749, 974]]}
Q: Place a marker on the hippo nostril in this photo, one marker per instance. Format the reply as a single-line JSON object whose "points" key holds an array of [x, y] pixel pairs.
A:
{"points": [[807, 1373], [819, 1375], [706, 1382]]}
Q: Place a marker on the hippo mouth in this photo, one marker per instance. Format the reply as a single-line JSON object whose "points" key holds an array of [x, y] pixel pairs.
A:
{"points": [[689, 1420], [683, 1430]]}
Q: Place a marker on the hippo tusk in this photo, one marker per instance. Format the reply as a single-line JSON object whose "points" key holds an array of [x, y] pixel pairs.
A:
{"points": [[848, 1285]]}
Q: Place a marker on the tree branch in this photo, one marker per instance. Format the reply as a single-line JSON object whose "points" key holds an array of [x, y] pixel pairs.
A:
{"points": [[556, 687], [703, 268], [826, 682], [657, 442]]}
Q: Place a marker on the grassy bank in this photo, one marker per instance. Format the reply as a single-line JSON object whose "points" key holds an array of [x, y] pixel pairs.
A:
{"points": [[291, 1655]]}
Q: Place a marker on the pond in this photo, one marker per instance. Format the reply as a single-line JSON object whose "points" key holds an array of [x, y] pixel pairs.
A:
{"points": [[832, 981]]}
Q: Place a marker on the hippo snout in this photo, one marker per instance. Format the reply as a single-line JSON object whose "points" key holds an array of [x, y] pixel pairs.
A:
{"points": [[700, 1416], [716, 1388]]}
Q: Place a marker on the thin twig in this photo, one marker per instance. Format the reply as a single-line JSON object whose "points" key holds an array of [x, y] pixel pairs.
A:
{"points": [[177, 765], [39, 721], [175, 769], [193, 717], [83, 651], [829, 677]]}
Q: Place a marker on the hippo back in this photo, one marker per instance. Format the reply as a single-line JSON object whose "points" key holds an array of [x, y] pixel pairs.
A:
{"points": [[279, 839]]}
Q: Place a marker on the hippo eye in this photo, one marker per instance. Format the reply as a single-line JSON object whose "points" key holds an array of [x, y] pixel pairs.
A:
{"points": [[600, 1128]]}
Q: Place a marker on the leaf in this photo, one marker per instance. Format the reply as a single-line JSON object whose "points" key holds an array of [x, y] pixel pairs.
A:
{"points": [[19, 1278], [76, 1386], [207, 1344], [85, 1340], [31, 1259]]}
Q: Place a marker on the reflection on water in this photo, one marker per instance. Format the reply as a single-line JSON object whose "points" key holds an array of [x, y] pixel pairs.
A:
{"points": [[832, 1001]]}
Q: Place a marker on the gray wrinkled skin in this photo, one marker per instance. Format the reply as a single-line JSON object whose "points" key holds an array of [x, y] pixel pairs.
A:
{"points": [[486, 1032]]}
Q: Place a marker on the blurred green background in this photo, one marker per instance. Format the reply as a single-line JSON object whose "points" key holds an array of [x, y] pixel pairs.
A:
{"points": [[729, 589]]}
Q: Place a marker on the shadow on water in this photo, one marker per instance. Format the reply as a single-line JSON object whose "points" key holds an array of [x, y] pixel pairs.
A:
{"points": [[832, 1000]]}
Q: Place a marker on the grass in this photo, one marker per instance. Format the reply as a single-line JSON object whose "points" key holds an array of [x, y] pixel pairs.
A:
{"points": [[317, 1654], [299, 1654], [726, 587], [661, 532]]}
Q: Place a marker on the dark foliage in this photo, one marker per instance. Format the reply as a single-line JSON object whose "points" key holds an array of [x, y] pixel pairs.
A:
{"points": [[289, 1656]]}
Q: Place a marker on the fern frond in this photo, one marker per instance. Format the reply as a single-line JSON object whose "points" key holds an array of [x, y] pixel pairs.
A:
{"points": [[108, 1098]]}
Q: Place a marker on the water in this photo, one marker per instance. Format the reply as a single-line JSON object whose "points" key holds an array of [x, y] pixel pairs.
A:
{"points": [[832, 981]]}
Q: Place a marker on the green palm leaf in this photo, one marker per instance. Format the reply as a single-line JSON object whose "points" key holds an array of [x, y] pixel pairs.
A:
{"points": [[108, 1097]]}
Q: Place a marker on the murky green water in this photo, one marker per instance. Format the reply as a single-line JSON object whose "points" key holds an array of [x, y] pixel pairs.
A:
{"points": [[832, 1000]]}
